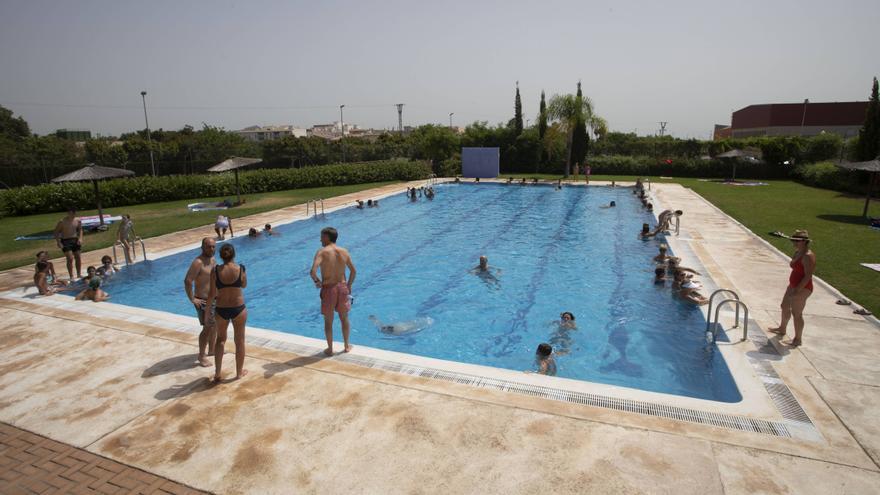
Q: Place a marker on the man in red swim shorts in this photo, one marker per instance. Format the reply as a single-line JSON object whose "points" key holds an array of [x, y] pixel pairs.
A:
{"points": [[335, 290]]}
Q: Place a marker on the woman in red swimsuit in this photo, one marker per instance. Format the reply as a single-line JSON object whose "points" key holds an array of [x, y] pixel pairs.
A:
{"points": [[800, 286]]}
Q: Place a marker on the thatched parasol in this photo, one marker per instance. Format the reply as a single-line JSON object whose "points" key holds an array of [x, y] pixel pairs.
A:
{"points": [[872, 166], [735, 155], [94, 173], [234, 163]]}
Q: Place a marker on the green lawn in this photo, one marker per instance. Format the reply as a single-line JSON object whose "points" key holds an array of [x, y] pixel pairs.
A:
{"points": [[150, 220], [841, 237]]}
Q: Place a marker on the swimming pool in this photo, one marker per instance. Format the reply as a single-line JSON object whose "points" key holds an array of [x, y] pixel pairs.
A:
{"points": [[558, 251]]}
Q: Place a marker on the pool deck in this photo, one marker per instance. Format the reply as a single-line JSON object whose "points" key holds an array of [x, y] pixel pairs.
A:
{"points": [[129, 391]]}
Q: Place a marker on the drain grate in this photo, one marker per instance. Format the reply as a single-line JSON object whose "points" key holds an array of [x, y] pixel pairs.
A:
{"points": [[721, 420]]}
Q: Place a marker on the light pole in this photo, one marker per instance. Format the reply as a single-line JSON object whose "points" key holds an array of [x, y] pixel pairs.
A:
{"points": [[450, 119], [804, 116], [342, 131], [149, 139]]}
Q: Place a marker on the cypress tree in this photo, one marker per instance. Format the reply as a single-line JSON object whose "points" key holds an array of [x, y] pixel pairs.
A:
{"points": [[542, 129], [580, 141], [517, 114], [869, 135]]}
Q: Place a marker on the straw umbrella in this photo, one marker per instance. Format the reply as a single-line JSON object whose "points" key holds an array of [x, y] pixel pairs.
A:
{"points": [[735, 155], [234, 163], [872, 166], [94, 173]]}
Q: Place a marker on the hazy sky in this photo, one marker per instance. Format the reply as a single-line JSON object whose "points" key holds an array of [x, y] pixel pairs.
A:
{"points": [[82, 64]]}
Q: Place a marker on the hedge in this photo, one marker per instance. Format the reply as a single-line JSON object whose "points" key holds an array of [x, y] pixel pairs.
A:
{"points": [[685, 167], [46, 198]]}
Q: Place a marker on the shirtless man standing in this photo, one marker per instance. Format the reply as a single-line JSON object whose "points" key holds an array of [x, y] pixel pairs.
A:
{"points": [[335, 291], [69, 237], [199, 273]]}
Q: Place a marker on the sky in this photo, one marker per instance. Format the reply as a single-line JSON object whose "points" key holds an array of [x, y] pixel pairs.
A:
{"points": [[83, 64]]}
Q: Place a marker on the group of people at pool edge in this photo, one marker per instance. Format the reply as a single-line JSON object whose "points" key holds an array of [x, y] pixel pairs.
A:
{"points": [[216, 291]]}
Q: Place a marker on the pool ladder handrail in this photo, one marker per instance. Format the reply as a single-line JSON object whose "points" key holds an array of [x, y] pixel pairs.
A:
{"points": [[127, 262], [712, 323], [432, 179], [314, 203]]}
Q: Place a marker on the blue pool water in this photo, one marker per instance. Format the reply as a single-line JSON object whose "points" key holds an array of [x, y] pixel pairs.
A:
{"points": [[558, 251]]}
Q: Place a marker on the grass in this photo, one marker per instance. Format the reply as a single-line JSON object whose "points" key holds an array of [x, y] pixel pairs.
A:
{"points": [[150, 220], [841, 237]]}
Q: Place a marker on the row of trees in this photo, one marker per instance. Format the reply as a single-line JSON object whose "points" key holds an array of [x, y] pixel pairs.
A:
{"points": [[566, 131]]}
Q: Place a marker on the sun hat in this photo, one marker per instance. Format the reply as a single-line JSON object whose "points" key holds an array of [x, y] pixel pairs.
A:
{"points": [[800, 235]]}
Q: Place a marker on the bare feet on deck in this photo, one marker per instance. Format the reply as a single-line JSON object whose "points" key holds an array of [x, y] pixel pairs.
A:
{"points": [[242, 375], [203, 362], [217, 379], [328, 352], [794, 343], [348, 348], [777, 330]]}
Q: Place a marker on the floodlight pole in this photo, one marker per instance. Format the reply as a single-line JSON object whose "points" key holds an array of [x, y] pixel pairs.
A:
{"points": [[450, 119], [149, 139], [804, 116], [342, 132]]}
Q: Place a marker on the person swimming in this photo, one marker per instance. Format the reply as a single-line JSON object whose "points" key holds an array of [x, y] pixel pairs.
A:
{"points": [[544, 360], [360, 204], [267, 230], [566, 320], [488, 274], [609, 205], [646, 232], [107, 267], [402, 327], [662, 256], [252, 232]]}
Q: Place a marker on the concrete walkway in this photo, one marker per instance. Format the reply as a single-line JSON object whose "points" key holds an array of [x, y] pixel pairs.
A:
{"points": [[302, 424]]}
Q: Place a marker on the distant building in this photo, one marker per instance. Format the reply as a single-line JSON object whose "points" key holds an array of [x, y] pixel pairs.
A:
{"points": [[74, 134], [798, 119], [721, 131], [270, 132]]}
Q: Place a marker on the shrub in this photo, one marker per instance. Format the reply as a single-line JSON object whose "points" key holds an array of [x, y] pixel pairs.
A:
{"points": [[450, 167], [48, 198], [685, 167], [829, 176]]}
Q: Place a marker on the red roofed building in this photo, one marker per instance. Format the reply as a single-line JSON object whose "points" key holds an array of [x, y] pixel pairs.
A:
{"points": [[799, 119]]}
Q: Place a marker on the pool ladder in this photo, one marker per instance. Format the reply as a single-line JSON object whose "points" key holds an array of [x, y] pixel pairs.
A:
{"points": [[432, 179], [127, 262], [314, 206], [712, 323]]}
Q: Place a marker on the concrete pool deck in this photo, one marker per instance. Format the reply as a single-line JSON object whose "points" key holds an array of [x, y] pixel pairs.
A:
{"points": [[129, 391]]}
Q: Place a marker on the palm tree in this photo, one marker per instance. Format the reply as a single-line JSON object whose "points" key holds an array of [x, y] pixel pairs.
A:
{"points": [[568, 111]]}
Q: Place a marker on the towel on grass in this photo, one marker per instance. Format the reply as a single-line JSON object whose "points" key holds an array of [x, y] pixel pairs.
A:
{"points": [[872, 266]]}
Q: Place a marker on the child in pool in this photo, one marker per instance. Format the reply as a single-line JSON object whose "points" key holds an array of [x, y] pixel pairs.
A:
{"points": [[93, 291], [544, 360]]}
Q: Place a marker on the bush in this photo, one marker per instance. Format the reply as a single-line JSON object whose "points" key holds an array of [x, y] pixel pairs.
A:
{"points": [[451, 167], [684, 167], [48, 198], [829, 176]]}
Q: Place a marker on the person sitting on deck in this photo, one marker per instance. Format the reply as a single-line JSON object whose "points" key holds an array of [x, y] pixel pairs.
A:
{"points": [[544, 360], [93, 290], [51, 277], [41, 279]]}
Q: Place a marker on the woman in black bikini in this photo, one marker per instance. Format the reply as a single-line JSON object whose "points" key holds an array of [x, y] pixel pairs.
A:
{"points": [[227, 282]]}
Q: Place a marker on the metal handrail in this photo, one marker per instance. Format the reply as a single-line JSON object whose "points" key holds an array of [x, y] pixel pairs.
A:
{"points": [[677, 224], [712, 298], [127, 262], [738, 304], [314, 203]]}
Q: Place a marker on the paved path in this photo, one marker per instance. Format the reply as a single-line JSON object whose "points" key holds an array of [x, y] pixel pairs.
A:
{"points": [[32, 463]]}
